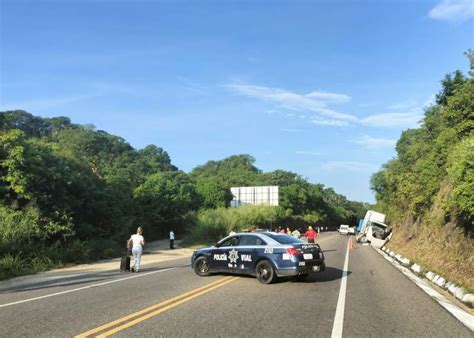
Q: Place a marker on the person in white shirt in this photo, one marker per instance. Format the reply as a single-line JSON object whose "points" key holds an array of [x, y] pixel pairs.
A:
{"points": [[171, 240], [138, 242], [296, 233]]}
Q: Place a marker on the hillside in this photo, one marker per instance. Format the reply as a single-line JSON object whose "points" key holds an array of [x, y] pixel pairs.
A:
{"points": [[427, 191]]}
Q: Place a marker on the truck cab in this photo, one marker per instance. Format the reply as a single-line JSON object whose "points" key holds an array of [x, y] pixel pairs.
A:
{"points": [[373, 230]]}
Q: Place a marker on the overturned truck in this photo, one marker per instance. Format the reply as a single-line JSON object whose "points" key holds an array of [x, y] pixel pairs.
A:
{"points": [[373, 230]]}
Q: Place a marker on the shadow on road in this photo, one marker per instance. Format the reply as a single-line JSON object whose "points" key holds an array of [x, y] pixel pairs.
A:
{"points": [[328, 275], [55, 281]]}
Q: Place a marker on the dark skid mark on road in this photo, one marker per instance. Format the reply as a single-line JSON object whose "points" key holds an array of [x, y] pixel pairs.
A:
{"points": [[77, 280], [58, 282], [63, 284], [328, 275], [144, 270], [330, 250]]}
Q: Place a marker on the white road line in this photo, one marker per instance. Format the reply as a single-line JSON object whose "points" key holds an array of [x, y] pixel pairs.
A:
{"points": [[341, 302], [463, 316], [89, 286]]}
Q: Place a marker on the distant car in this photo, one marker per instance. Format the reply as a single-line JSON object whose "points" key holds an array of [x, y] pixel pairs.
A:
{"points": [[351, 231], [266, 255], [343, 229]]}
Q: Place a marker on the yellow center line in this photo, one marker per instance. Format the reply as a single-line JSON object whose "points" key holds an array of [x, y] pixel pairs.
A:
{"points": [[154, 307], [166, 308]]}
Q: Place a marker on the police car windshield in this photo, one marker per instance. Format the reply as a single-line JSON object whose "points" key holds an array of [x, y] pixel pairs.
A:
{"points": [[284, 239]]}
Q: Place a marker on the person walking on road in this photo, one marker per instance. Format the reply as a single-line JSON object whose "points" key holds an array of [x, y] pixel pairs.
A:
{"points": [[296, 234], [137, 243], [171, 240], [311, 234]]}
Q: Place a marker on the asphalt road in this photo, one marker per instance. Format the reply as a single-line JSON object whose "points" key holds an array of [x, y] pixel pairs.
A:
{"points": [[168, 299]]}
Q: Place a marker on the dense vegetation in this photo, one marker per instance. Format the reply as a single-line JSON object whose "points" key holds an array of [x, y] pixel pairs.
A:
{"points": [[427, 191], [70, 193]]}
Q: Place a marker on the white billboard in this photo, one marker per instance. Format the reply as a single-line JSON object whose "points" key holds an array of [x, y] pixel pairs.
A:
{"points": [[267, 195]]}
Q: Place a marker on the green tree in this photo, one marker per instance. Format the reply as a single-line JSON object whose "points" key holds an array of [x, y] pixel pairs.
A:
{"points": [[164, 199]]}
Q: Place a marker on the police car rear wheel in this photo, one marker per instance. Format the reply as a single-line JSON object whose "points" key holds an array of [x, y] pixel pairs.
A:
{"points": [[201, 266], [264, 272]]}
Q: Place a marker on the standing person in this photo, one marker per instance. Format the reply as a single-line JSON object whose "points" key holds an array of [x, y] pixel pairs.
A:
{"points": [[310, 234], [296, 234], [137, 242], [171, 240], [288, 231]]}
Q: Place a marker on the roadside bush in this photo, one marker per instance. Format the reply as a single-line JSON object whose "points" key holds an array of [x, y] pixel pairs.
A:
{"points": [[18, 228], [41, 263], [77, 251], [12, 265], [104, 248], [460, 171], [213, 224]]}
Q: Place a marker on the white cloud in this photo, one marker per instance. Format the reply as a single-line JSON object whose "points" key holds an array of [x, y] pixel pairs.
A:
{"points": [[330, 97], [453, 10], [403, 120], [350, 166], [316, 102], [373, 143], [403, 105], [430, 101], [326, 122], [314, 106]]}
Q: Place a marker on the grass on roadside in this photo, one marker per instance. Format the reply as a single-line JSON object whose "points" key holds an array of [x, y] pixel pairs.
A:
{"points": [[444, 251]]}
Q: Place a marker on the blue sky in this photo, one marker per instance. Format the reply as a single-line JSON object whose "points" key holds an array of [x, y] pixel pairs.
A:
{"points": [[321, 88]]}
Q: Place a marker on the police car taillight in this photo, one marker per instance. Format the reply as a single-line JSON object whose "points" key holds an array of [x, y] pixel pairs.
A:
{"points": [[293, 251]]}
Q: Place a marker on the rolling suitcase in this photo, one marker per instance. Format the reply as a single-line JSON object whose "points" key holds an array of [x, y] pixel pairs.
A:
{"points": [[125, 263]]}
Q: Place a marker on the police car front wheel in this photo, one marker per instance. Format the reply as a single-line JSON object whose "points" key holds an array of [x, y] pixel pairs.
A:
{"points": [[201, 266], [265, 272]]}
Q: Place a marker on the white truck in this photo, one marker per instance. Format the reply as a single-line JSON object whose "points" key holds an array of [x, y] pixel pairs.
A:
{"points": [[343, 229], [373, 230]]}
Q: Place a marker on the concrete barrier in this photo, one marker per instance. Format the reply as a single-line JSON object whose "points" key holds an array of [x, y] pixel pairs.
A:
{"points": [[457, 291], [416, 268], [468, 299], [430, 275], [452, 289], [460, 293], [440, 282], [405, 261]]}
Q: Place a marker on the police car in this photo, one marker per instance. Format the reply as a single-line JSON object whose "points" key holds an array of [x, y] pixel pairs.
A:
{"points": [[266, 255]]}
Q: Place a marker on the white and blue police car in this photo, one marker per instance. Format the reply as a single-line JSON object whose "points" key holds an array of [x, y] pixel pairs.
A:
{"points": [[266, 255]]}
